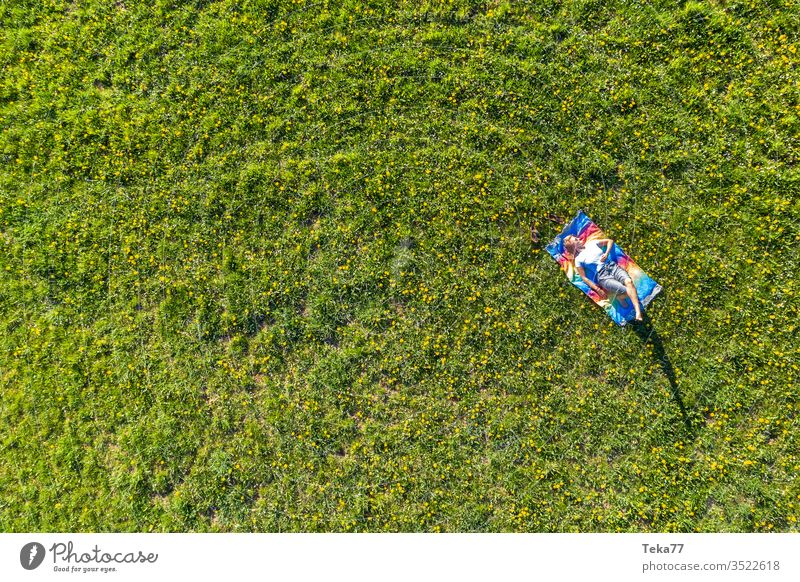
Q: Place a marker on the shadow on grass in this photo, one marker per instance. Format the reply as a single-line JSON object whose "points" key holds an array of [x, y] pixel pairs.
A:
{"points": [[647, 333]]}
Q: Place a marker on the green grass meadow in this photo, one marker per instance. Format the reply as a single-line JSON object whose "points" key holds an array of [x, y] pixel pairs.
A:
{"points": [[279, 266]]}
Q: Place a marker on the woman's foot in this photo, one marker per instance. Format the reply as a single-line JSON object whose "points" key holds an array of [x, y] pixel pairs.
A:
{"points": [[639, 316]]}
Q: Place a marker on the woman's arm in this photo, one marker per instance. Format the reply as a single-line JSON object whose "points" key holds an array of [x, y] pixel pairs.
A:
{"points": [[610, 243], [593, 286]]}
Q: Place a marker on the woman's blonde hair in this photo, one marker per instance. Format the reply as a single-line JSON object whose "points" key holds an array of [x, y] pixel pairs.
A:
{"points": [[570, 244]]}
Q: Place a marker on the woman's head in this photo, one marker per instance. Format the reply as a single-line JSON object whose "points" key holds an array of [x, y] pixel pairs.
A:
{"points": [[573, 245]]}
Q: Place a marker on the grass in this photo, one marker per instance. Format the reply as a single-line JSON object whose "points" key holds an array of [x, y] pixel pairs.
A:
{"points": [[268, 266]]}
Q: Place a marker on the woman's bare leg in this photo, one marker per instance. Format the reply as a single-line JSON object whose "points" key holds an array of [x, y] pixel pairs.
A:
{"points": [[635, 297]]}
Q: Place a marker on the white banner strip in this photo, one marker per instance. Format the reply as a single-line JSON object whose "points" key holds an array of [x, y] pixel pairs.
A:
{"points": [[389, 557]]}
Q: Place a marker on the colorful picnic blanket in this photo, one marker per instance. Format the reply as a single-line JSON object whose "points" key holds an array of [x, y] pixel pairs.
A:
{"points": [[618, 308]]}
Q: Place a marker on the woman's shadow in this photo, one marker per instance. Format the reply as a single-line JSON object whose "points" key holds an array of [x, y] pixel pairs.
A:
{"points": [[647, 333]]}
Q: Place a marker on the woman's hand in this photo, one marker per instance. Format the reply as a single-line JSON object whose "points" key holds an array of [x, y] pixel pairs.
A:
{"points": [[610, 246], [590, 284]]}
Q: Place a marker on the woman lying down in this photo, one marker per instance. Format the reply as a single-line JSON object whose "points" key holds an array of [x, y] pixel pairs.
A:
{"points": [[600, 274]]}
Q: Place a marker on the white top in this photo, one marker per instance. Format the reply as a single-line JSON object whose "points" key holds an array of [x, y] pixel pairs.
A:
{"points": [[590, 255]]}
